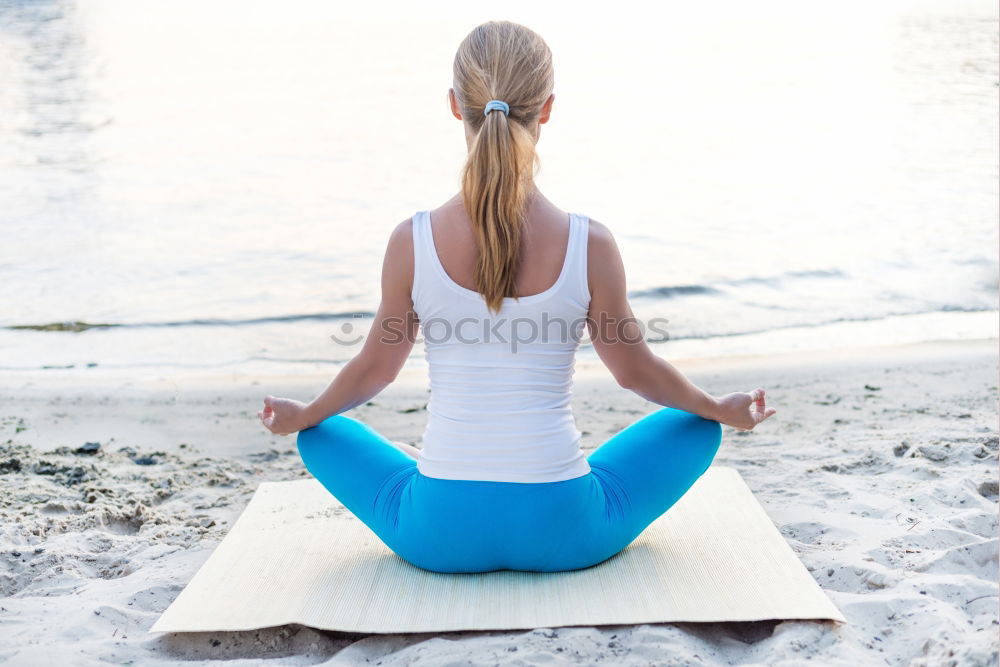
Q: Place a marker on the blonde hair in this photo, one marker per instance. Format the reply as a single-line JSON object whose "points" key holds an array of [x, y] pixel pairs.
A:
{"points": [[500, 60]]}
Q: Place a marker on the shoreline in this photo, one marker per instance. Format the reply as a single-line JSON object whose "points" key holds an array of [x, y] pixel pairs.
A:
{"points": [[205, 411], [584, 366], [306, 348]]}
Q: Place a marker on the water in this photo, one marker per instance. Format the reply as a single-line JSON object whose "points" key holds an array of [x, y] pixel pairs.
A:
{"points": [[218, 180]]}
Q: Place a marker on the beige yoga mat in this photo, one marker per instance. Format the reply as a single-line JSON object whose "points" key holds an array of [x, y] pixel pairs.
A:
{"points": [[296, 555]]}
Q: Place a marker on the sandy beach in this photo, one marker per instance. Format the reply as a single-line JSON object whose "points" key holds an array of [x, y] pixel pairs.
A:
{"points": [[196, 201], [880, 469]]}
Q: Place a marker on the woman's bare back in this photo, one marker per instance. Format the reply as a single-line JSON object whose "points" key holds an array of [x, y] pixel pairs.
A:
{"points": [[543, 244]]}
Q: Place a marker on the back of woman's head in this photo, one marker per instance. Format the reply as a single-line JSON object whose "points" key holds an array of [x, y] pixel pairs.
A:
{"points": [[500, 60]]}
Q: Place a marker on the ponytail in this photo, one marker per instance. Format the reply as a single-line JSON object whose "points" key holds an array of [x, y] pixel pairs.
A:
{"points": [[505, 61], [495, 185]]}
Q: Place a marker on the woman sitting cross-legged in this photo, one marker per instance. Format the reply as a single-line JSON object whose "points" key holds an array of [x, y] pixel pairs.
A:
{"points": [[502, 284]]}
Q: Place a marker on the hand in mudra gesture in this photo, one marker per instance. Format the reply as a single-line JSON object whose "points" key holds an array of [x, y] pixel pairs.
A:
{"points": [[283, 416], [743, 410]]}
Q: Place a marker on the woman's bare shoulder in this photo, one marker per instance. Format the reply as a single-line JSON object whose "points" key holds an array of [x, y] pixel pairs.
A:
{"points": [[402, 229], [600, 240], [398, 261], [401, 238], [605, 270]]}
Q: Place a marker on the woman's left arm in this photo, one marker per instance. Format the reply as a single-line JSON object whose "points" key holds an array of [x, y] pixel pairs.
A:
{"points": [[381, 357]]}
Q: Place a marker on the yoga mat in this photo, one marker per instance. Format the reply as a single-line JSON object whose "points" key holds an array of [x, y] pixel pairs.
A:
{"points": [[296, 555]]}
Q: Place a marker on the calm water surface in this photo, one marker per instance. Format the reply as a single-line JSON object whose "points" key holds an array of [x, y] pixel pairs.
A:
{"points": [[218, 180]]}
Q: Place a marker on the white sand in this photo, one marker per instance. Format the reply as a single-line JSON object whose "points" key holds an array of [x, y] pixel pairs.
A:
{"points": [[888, 493]]}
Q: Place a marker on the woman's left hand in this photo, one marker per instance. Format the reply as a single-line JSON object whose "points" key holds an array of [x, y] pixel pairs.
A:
{"points": [[284, 416], [743, 410]]}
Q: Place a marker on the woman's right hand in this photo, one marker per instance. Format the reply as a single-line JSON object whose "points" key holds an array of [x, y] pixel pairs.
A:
{"points": [[284, 416], [743, 410]]}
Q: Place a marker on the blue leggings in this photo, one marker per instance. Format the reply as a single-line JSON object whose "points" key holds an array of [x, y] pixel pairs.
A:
{"points": [[447, 525]]}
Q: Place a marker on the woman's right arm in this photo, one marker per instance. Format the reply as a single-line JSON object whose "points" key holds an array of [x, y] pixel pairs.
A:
{"points": [[619, 342], [380, 359]]}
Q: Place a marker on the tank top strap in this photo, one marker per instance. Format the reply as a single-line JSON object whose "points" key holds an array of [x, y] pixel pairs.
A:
{"points": [[423, 269], [420, 231], [577, 257]]}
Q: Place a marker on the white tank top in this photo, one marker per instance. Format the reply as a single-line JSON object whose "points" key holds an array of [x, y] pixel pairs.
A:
{"points": [[500, 383]]}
